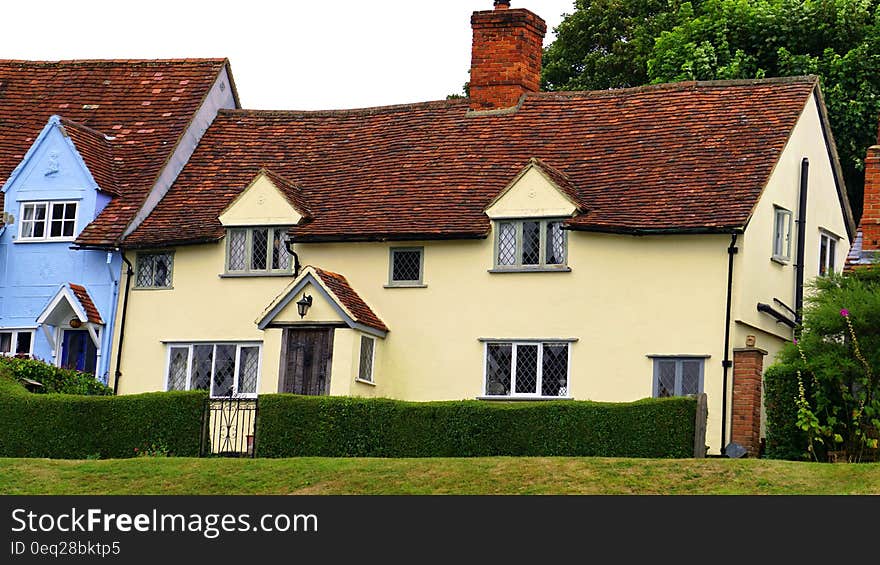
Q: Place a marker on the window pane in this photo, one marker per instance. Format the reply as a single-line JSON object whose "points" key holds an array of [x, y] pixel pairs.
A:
{"points": [[507, 244], [554, 378], [406, 265], [55, 229], [177, 368], [499, 358], [832, 246], [555, 243], [237, 251], [366, 365], [40, 211], [70, 211], [531, 251], [224, 370], [69, 226], [248, 365], [259, 248], [5, 342], [665, 376], [24, 343], [527, 369], [28, 213], [57, 211], [203, 357], [823, 254], [280, 256], [690, 377], [162, 270], [145, 267]]}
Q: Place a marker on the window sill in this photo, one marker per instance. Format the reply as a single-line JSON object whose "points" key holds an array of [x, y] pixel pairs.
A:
{"points": [[252, 275], [531, 270], [405, 285], [524, 398], [152, 288], [362, 381], [779, 260], [46, 240]]}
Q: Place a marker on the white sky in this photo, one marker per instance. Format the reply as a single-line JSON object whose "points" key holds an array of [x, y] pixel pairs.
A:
{"points": [[285, 54]]}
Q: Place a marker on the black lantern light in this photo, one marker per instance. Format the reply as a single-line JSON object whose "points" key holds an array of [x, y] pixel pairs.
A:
{"points": [[302, 305]]}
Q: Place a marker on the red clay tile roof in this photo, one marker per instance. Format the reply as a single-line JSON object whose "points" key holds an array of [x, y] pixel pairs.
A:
{"points": [[680, 157], [145, 104], [86, 301], [97, 153], [339, 286], [291, 191]]}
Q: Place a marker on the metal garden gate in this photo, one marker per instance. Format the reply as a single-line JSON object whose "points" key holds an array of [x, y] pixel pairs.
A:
{"points": [[229, 427]]}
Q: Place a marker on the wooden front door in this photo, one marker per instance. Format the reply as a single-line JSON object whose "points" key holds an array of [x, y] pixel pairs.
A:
{"points": [[306, 355]]}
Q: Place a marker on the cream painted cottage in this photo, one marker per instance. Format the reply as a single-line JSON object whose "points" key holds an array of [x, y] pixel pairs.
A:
{"points": [[518, 244]]}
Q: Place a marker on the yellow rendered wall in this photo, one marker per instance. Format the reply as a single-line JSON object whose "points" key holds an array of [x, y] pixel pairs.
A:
{"points": [[757, 278], [625, 298], [261, 204], [531, 196]]}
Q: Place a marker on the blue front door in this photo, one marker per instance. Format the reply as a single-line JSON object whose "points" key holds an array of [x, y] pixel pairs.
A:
{"points": [[78, 351]]}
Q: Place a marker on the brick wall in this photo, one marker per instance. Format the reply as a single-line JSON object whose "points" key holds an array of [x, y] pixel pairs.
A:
{"points": [[748, 369], [870, 223], [505, 56]]}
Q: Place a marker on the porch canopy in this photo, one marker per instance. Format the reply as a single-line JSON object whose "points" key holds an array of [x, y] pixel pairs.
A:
{"points": [[71, 307]]}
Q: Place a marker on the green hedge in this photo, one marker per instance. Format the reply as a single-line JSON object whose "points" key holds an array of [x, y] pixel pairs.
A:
{"points": [[66, 426], [784, 439], [291, 425], [54, 379]]}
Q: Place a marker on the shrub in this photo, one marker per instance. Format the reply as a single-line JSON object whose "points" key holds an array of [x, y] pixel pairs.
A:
{"points": [[836, 363], [785, 440], [291, 425], [54, 379], [67, 426]]}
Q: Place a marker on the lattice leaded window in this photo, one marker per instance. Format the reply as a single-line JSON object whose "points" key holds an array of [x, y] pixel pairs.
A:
{"points": [[529, 244], [154, 270], [258, 250], [365, 369], [406, 266], [537, 369], [677, 376], [224, 369]]}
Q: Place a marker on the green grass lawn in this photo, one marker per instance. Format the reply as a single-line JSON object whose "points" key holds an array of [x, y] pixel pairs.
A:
{"points": [[489, 475]]}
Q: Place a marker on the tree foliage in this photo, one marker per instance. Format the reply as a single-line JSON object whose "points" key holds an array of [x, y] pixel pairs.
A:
{"points": [[616, 43]]}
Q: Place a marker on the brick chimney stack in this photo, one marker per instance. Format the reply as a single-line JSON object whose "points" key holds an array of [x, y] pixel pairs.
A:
{"points": [[505, 57], [870, 223]]}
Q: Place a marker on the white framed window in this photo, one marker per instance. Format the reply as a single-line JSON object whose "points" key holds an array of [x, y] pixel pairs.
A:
{"points": [[530, 244], [406, 266], [678, 376], [538, 369], [223, 369], [781, 234], [368, 353], [48, 221], [827, 252], [16, 342], [257, 251], [154, 270]]}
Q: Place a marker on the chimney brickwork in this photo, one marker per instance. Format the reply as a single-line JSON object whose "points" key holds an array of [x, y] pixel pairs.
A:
{"points": [[506, 56]]}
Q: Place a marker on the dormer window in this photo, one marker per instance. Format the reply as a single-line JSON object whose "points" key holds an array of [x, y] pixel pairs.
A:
{"points": [[530, 244], [257, 251], [47, 221]]}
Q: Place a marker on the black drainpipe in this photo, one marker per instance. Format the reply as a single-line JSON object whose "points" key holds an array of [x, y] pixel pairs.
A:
{"points": [[801, 237], [288, 243], [726, 364], [128, 274]]}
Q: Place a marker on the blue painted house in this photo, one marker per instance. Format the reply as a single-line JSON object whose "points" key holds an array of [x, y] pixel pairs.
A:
{"points": [[87, 148]]}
